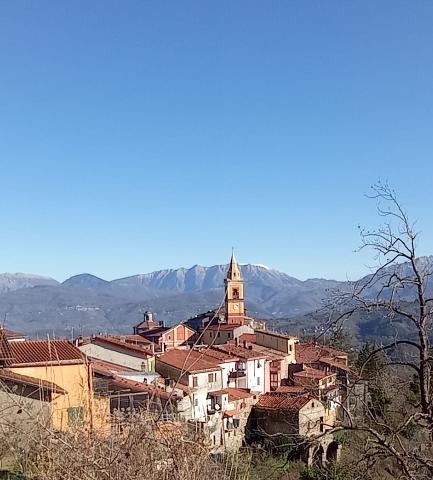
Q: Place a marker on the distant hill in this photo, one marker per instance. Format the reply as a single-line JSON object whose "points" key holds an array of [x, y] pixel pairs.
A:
{"points": [[86, 280], [15, 281], [88, 304]]}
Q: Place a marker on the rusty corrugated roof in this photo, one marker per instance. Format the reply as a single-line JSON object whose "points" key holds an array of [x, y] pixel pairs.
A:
{"points": [[45, 352]]}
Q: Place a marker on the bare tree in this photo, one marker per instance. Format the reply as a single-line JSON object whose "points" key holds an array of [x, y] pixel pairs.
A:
{"points": [[397, 290]]}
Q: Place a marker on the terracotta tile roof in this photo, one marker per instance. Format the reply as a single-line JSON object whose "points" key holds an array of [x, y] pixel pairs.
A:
{"points": [[154, 332], [6, 354], [114, 342], [233, 393], [10, 334], [9, 375], [269, 353], [221, 356], [241, 352], [277, 334], [283, 401], [190, 361], [313, 373], [159, 331], [42, 352], [335, 363], [291, 389], [311, 353], [133, 339], [148, 324], [124, 385]]}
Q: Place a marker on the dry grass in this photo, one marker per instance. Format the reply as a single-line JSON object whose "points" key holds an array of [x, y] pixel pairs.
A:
{"points": [[144, 450]]}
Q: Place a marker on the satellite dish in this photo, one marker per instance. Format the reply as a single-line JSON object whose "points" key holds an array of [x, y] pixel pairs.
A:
{"points": [[217, 407]]}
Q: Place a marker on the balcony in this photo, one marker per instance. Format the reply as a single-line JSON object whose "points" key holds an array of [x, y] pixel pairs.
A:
{"points": [[238, 374]]}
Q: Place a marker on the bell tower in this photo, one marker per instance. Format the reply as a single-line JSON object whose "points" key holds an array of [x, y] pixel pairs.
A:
{"points": [[235, 307]]}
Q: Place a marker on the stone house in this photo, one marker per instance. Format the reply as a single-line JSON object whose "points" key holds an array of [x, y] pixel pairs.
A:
{"points": [[228, 411], [283, 419], [320, 384]]}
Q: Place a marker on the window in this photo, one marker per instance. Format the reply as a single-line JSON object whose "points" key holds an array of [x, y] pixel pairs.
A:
{"points": [[240, 366], [290, 347], [210, 378], [258, 380], [235, 294], [194, 381], [211, 334], [219, 334], [75, 416], [195, 402], [321, 424], [230, 335]]}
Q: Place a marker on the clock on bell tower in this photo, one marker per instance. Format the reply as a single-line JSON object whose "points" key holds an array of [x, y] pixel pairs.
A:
{"points": [[235, 308]]}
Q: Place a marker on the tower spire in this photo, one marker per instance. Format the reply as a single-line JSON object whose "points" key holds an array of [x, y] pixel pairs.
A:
{"points": [[234, 272], [235, 308]]}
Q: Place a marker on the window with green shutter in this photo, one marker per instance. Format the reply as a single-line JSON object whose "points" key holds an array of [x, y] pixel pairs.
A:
{"points": [[75, 416]]}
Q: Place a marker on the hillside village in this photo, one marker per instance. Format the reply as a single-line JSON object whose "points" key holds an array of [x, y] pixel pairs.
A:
{"points": [[222, 373]]}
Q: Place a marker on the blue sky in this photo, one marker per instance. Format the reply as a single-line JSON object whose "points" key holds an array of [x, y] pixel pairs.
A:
{"points": [[143, 135]]}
